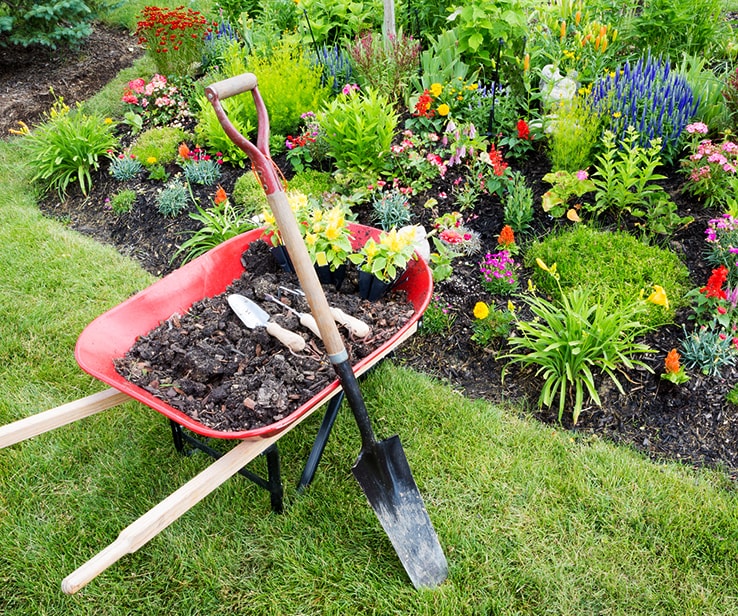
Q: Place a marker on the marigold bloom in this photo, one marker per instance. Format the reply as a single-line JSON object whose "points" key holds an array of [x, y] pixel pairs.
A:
{"points": [[481, 310], [436, 89], [443, 110], [671, 363], [506, 237], [220, 195]]}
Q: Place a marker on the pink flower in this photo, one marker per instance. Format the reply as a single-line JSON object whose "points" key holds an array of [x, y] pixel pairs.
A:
{"points": [[697, 127], [582, 175], [130, 99]]}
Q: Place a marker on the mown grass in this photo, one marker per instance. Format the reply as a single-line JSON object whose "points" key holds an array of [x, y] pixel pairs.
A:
{"points": [[533, 521]]}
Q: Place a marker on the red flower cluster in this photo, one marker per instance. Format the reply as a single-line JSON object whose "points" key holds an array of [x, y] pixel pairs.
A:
{"points": [[423, 106], [197, 154], [523, 130], [162, 29], [497, 161], [714, 287], [298, 142]]}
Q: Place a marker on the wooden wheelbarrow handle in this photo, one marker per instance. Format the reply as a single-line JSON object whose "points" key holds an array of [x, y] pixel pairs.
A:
{"points": [[61, 415], [167, 511]]}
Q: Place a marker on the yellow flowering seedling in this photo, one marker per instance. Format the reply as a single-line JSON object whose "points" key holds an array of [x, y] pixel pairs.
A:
{"points": [[387, 257]]}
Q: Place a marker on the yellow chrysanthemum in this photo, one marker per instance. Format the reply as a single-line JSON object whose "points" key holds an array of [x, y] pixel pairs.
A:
{"points": [[443, 109], [481, 310]]}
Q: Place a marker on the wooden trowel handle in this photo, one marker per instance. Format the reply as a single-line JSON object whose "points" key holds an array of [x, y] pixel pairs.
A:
{"points": [[294, 341], [356, 326]]}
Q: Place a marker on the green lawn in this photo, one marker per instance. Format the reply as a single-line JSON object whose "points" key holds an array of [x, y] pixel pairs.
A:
{"points": [[532, 520]]}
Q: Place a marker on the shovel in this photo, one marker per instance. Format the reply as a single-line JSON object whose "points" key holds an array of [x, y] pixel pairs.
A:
{"points": [[382, 469], [254, 316]]}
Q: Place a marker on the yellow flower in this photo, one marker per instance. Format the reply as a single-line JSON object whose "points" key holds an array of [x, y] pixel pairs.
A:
{"points": [[310, 239], [269, 219], [297, 200], [531, 286], [443, 109], [436, 89], [332, 232], [511, 306], [370, 249], [393, 241], [23, 130], [481, 310], [108, 120], [151, 160], [658, 297]]}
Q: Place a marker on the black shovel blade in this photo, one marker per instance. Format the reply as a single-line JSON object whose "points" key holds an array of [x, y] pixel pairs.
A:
{"points": [[385, 477]]}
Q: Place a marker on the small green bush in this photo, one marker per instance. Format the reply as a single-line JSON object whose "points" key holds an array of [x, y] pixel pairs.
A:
{"points": [[51, 23], [613, 266], [67, 147], [359, 128], [122, 202], [124, 168], [159, 145], [312, 182], [173, 199], [248, 195]]}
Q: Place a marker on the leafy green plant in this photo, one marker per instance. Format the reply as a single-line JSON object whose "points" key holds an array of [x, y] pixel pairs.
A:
{"points": [[388, 256], [158, 145], [732, 396], [122, 202], [708, 349], [490, 324], [392, 209], [334, 22], [125, 167], [566, 185], [438, 318], [482, 27], [613, 265], [441, 260], [247, 194], [289, 84], [440, 63], [44, 22], [574, 135], [572, 340], [218, 223], [625, 176], [173, 199], [67, 147], [359, 128]]}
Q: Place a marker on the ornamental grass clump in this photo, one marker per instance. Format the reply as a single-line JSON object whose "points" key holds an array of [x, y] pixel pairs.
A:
{"points": [[649, 96], [575, 338], [67, 147]]}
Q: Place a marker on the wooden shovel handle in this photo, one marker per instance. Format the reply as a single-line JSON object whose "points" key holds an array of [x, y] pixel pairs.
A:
{"points": [[234, 85], [170, 509], [294, 341], [61, 415]]}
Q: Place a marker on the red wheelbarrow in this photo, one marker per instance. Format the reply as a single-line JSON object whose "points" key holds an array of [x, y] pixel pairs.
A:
{"points": [[381, 469]]}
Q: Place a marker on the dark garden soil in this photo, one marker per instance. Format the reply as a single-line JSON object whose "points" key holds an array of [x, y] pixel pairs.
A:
{"points": [[691, 423]]}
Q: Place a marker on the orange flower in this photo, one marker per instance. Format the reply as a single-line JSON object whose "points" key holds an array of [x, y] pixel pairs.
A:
{"points": [[506, 237], [671, 363], [184, 151], [562, 33], [220, 196]]}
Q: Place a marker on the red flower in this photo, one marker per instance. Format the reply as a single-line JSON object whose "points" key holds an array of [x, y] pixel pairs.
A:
{"points": [[523, 129], [715, 283], [423, 106]]}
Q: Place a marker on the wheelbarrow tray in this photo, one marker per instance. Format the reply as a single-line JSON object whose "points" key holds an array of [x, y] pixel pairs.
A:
{"points": [[113, 333]]}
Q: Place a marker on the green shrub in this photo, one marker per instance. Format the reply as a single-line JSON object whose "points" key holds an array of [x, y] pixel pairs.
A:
{"points": [[289, 84], [48, 23], [122, 202], [574, 136], [339, 20], [248, 195], [173, 199], [312, 182], [613, 266], [125, 167], [159, 145], [359, 128], [67, 147], [205, 172]]}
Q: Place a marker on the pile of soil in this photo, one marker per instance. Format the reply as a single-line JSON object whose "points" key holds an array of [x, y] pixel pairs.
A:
{"points": [[692, 423], [209, 365]]}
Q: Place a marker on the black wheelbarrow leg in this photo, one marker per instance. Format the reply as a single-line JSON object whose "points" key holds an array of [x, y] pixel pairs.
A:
{"points": [[321, 440]]}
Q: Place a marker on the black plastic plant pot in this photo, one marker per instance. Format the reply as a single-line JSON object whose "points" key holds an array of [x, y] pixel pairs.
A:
{"points": [[332, 277], [372, 288], [282, 257]]}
